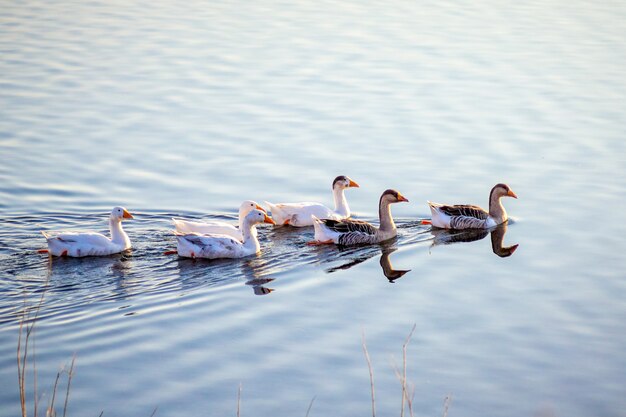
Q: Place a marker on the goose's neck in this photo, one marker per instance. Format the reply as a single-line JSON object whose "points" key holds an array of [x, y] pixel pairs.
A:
{"points": [[496, 209], [118, 235], [341, 204], [384, 214], [250, 240]]}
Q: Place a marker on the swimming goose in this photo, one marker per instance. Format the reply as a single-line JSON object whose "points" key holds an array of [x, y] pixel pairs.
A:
{"points": [[213, 246], [356, 232], [472, 217], [299, 214], [91, 244], [216, 226]]}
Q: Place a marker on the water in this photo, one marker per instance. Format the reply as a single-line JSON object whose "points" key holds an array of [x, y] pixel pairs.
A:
{"points": [[188, 109]]}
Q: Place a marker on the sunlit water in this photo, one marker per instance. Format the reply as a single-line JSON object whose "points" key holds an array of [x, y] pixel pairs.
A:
{"points": [[188, 108]]}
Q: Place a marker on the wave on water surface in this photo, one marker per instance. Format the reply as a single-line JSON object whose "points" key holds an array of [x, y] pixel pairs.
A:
{"points": [[146, 271]]}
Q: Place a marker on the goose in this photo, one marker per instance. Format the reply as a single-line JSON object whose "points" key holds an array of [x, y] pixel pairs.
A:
{"points": [[213, 246], [355, 232], [216, 226], [299, 214], [77, 245], [463, 216]]}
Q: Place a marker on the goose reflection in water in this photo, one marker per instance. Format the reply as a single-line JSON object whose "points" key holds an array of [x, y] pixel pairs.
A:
{"points": [[450, 236], [385, 264], [365, 253], [217, 272], [253, 271]]}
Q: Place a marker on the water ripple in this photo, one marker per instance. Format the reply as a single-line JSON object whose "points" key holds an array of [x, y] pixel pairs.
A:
{"points": [[71, 283]]}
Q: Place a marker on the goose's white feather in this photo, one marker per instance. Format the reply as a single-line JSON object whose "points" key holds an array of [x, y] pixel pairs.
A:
{"points": [[78, 245], [300, 214], [217, 226], [213, 246]]}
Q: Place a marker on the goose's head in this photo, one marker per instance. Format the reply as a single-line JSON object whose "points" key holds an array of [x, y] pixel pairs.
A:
{"points": [[502, 190], [120, 213], [247, 206], [392, 196], [342, 182], [257, 216]]}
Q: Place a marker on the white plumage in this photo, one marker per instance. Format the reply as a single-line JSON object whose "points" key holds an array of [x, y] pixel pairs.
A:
{"points": [[91, 244], [213, 246], [299, 214], [218, 227]]}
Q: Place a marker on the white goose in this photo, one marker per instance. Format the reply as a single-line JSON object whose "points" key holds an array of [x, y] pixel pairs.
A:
{"points": [[216, 226], [356, 232], [465, 216], [91, 244], [299, 214], [213, 246]]}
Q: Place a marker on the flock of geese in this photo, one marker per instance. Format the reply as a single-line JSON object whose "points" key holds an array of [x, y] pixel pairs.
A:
{"points": [[217, 239]]}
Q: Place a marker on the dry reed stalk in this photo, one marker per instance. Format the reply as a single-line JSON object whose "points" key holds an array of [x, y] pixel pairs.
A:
{"points": [[50, 411], [404, 390], [22, 358], [446, 404], [20, 375], [238, 399], [402, 378], [369, 366], [310, 405], [70, 374]]}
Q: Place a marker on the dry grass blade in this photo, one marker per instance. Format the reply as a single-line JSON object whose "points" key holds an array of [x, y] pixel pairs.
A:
{"points": [[308, 410], [239, 400], [446, 405], [22, 357], [20, 375], [70, 374], [50, 411], [369, 365], [404, 387]]}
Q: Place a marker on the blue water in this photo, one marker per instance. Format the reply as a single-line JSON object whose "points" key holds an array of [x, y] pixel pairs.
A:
{"points": [[187, 109]]}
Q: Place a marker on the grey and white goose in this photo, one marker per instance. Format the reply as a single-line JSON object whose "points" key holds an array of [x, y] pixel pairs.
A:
{"points": [[465, 216], [355, 232]]}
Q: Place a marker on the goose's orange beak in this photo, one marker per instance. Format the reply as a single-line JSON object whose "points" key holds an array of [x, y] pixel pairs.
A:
{"points": [[261, 208], [127, 215], [268, 220], [402, 198], [353, 184], [511, 194]]}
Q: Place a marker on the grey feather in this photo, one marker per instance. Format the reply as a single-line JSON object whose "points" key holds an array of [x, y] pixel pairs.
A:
{"points": [[464, 210], [347, 226]]}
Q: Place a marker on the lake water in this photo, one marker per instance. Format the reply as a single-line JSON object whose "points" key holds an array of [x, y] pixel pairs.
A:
{"points": [[188, 108]]}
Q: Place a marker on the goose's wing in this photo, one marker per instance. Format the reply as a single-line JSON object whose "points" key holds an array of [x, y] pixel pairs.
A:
{"points": [[206, 227], [349, 226], [466, 216], [356, 238], [89, 238], [213, 246], [464, 210]]}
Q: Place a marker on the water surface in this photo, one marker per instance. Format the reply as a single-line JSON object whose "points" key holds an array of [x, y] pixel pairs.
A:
{"points": [[175, 109]]}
